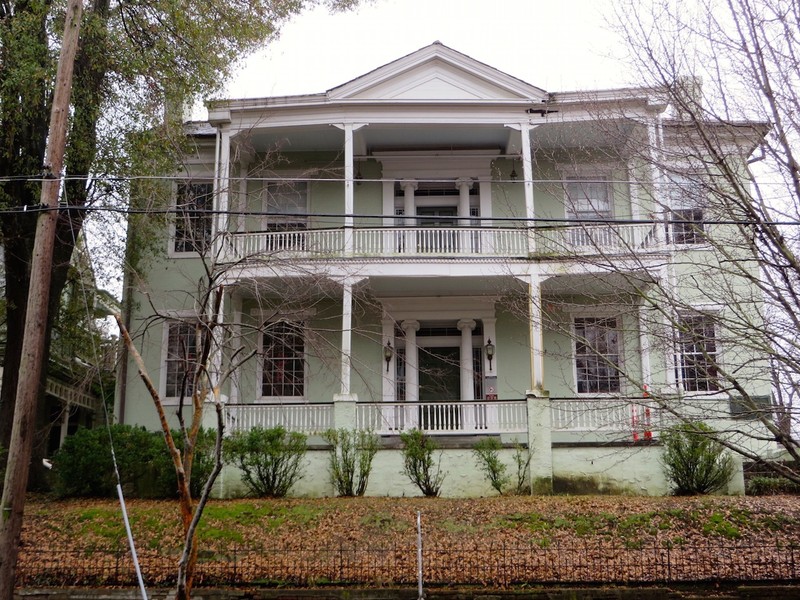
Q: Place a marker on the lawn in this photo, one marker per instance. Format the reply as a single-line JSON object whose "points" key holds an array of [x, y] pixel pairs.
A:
{"points": [[306, 534]]}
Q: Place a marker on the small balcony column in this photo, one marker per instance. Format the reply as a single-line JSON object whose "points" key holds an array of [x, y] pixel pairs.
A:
{"points": [[409, 202], [536, 335], [64, 424], [463, 185], [222, 168], [347, 336], [467, 378], [412, 360]]}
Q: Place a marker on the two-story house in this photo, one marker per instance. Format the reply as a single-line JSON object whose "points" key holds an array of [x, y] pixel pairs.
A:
{"points": [[437, 244]]}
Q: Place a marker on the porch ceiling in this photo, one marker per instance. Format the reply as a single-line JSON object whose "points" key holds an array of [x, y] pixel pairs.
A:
{"points": [[438, 136], [595, 284]]}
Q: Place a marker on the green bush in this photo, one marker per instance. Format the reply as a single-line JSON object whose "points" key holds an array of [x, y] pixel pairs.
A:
{"points": [[270, 459], [770, 486], [522, 459], [351, 457], [418, 462], [694, 461], [83, 467], [487, 455]]}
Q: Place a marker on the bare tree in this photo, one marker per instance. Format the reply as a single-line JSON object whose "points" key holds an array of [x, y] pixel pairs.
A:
{"points": [[710, 293]]}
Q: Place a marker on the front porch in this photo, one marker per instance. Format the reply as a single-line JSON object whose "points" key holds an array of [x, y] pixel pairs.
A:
{"points": [[624, 419]]}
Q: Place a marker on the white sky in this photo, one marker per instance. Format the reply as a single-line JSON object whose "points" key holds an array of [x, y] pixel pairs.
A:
{"points": [[558, 46]]}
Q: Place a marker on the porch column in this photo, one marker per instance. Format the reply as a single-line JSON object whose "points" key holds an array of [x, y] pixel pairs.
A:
{"points": [[222, 178], [409, 203], [412, 360], [536, 335], [349, 190], [64, 425], [463, 185], [236, 308], [467, 378], [347, 336]]}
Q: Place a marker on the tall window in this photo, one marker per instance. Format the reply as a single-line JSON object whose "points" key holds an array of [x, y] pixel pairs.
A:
{"points": [[597, 355], [284, 360], [181, 361], [287, 205], [587, 198], [194, 204], [687, 215], [697, 354]]}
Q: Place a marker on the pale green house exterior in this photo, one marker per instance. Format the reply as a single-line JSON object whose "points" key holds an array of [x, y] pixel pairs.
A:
{"points": [[437, 244]]}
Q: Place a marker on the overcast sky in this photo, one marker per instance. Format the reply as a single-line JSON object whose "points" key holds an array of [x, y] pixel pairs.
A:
{"points": [[557, 46]]}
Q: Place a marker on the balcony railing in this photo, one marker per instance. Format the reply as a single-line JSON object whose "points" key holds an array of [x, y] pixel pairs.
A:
{"points": [[304, 418], [585, 239], [605, 415], [465, 418]]}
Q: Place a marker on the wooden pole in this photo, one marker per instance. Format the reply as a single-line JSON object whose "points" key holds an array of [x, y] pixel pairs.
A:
{"points": [[20, 448]]}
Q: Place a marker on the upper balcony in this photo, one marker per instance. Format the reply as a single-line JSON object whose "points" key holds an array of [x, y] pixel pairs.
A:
{"points": [[442, 242]]}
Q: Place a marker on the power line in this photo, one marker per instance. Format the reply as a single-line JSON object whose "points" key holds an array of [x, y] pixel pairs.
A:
{"points": [[337, 217]]}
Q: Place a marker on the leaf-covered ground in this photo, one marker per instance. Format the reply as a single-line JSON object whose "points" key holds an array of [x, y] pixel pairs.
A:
{"points": [[467, 540]]}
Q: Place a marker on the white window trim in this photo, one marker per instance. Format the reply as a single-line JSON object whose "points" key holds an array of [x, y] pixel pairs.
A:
{"points": [[598, 313], [196, 178], [677, 369], [172, 317], [291, 317], [301, 177]]}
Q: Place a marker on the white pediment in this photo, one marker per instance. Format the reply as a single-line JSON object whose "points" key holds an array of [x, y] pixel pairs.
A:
{"points": [[437, 73]]}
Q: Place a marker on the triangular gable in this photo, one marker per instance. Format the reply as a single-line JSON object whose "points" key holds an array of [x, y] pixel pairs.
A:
{"points": [[433, 73]]}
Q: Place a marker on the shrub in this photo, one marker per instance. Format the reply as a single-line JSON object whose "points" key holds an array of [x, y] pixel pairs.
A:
{"points": [[419, 464], [694, 461], [770, 486], [351, 459], [522, 459], [83, 467], [487, 455], [270, 459]]}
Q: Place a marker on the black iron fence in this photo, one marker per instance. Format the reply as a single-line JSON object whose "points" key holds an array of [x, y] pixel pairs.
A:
{"points": [[488, 564]]}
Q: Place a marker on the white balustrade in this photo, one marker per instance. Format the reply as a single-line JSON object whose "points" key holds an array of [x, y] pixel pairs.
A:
{"points": [[304, 418], [464, 418], [603, 414], [592, 239]]}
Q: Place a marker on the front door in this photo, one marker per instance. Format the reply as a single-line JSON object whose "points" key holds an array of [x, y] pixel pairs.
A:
{"points": [[439, 387]]}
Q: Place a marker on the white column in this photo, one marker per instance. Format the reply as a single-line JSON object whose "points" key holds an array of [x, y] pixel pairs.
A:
{"points": [[536, 335], [527, 172], [409, 204], [236, 308], [463, 185], [222, 180], [412, 360], [64, 425], [348, 189], [244, 167], [347, 336], [467, 374]]}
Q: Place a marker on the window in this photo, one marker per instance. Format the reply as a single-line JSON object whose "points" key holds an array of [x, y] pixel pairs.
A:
{"points": [[181, 361], [194, 204], [697, 354], [587, 198], [597, 355], [687, 215], [286, 205], [284, 360]]}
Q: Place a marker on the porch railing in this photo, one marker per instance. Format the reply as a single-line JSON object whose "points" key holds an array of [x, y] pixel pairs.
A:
{"points": [[605, 415], [387, 418], [304, 418], [442, 241], [592, 239]]}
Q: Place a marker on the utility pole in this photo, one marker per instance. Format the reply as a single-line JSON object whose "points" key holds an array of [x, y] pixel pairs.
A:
{"points": [[21, 445]]}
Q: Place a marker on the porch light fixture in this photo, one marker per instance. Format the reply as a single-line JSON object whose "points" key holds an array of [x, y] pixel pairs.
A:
{"points": [[388, 353], [489, 348], [513, 174]]}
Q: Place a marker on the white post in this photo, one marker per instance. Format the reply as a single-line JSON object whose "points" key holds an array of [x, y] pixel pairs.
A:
{"points": [[467, 378], [347, 335], [64, 424], [222, 183], [536, 334], [412, 360], [348, 189], [410, 210]]}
